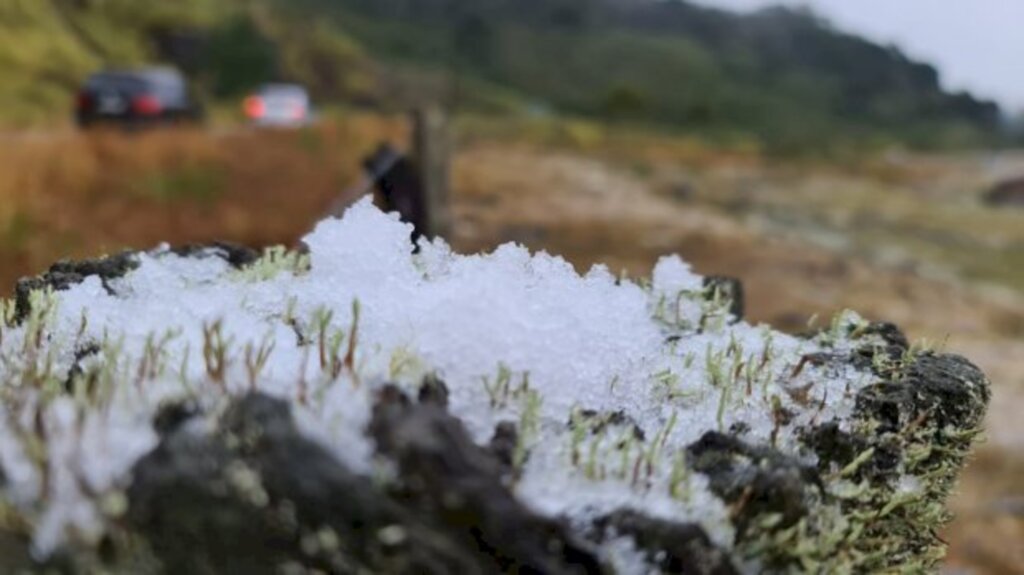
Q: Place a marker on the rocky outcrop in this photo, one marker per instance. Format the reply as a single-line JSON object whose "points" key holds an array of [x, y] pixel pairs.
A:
{"points": [[831, 453]]}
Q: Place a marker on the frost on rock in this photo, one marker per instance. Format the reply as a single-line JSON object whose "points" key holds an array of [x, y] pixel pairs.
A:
{"points": [[363, 408]]}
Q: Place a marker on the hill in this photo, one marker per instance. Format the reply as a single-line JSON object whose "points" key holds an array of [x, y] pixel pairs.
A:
{"points": [[48, 46], [780, 76], [783, 75]]}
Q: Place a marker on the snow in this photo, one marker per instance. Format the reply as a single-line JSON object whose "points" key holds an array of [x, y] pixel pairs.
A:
{"points": [[504, 330]]}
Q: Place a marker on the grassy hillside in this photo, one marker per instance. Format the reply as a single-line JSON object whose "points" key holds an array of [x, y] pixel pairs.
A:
{"points": [[783, 76], [39, 62], [49, 46], [780, 77]]}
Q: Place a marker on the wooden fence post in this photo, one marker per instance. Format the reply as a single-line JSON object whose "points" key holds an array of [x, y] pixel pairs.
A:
{"points": [[432, 150]]}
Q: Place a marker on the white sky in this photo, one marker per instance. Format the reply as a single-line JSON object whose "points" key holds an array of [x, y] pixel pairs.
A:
{"points": [[976, 45]]}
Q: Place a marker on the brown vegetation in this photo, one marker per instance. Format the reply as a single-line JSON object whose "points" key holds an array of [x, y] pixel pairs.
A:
{"points": [[75, 195]]}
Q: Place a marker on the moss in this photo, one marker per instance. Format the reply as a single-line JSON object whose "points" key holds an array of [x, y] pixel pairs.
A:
{"points": [[275, 260], [875, 499], [907, 442]]}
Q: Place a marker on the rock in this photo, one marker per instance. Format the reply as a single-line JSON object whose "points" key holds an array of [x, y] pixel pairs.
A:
{"points": [[503, 444], [292, 420], [445, 476], [1008, 193], [755, 480], [434, 391], [65, 274], [674, 547], [237, 255], [256, 496]]}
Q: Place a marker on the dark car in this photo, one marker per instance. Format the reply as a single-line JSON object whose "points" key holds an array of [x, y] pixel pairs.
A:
{"points": [[152, 96]]}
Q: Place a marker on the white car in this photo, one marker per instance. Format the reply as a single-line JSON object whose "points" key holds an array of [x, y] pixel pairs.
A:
{"points": [[279, 105]]}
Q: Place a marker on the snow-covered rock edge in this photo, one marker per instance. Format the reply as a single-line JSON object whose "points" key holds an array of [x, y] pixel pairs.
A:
{"points": [[607, 381]]}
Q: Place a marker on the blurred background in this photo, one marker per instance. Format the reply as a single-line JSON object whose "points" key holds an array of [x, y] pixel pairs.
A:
{"points": [[832, 154]]}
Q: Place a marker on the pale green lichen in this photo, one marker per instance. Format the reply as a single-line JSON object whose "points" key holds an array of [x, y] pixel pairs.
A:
{"points": [[275, 260], [874, 523]]}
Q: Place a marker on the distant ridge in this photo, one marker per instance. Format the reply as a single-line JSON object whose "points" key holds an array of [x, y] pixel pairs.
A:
{"points": [[780, 76]]}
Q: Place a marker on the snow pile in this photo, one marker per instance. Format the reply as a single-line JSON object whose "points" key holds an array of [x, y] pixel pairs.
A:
{"points": [[606, 379]]}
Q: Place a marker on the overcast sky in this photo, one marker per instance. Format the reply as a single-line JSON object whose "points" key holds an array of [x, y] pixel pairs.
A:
{"points": [[976, 44]]}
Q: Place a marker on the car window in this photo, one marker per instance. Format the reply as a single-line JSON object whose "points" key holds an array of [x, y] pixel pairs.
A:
{"points": [[284, 91], [118, 82], [169, 86]]}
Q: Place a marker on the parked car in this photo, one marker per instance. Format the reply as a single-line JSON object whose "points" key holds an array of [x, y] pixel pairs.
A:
{"points": [[149, 96], [278, 105]]}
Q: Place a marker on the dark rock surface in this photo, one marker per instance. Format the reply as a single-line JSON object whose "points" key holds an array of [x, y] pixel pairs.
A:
{"points": [[755, 480], [447, 477], [673, 547], [65, 274], [255, 496], [1008, 193], [730, 289], [237, 255]]}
